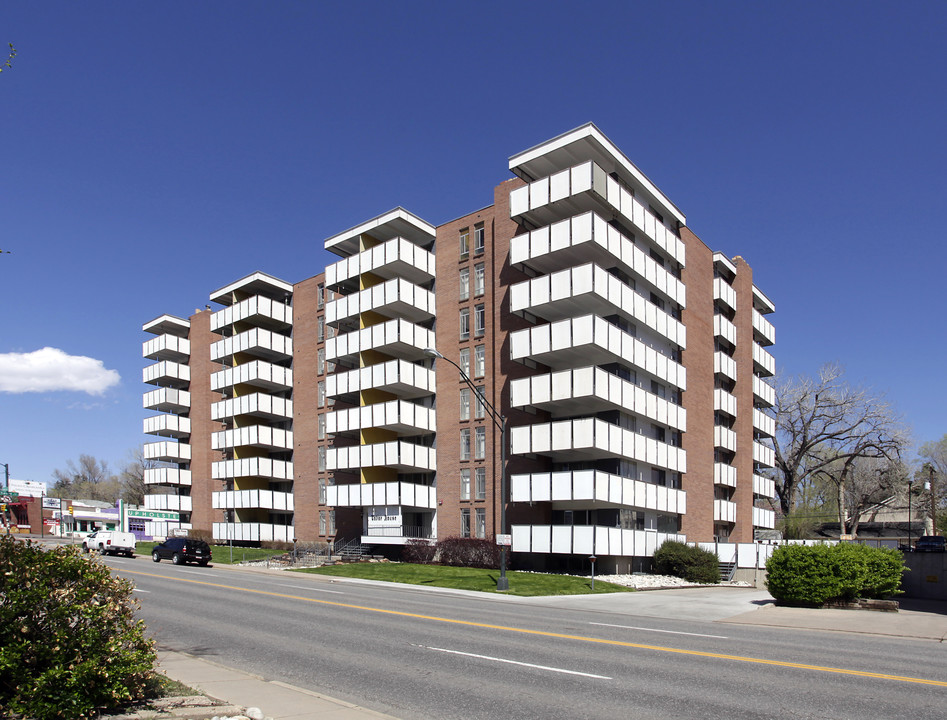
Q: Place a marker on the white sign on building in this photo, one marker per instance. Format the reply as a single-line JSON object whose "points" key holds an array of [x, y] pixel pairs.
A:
{"points": [[28, 488], [384, 516]]}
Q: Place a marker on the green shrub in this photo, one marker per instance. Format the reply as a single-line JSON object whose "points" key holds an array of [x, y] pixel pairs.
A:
{"points": [[468, 552], [69, 641], [819, 574], [687, 561]]}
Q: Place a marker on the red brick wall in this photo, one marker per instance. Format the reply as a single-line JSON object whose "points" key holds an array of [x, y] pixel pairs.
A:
{"points": [[743, 427]]}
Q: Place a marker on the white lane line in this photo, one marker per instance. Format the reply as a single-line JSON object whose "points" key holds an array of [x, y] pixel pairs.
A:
{"points": [[670, 632], [303, 587], [516, 662], [201, 572], [140, 590]]}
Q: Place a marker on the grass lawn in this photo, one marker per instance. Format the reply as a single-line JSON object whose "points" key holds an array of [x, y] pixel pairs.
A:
{"points": [[526, 584], [221, 553]]}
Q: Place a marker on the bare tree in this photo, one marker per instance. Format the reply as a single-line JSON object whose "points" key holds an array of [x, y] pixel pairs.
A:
{"points": [[132, 476], [90, 479], [868, 482], [933, 475], [823, 426]]}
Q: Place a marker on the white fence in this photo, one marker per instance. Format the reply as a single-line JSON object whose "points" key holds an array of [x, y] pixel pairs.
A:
{"points": [[753, 555]]}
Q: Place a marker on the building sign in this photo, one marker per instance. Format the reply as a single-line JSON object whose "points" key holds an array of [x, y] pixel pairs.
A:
{"points": [[51, 503], [504, 540], [152, 514], [384, 516], [28, 488]]}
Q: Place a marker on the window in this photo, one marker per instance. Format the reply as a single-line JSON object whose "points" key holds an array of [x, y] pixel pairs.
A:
{"points": [[322, 522], [465, 361], [464, 283], [465, 484], [464, 244], [320, 329], [465, 522], [479, 279], [322, 459], [478, 410], [480, 353], [465, 323], [465, 403], [322, 494], [481, 484], [332, 522], [480, 321], [322, 427], [321, 361], [320, 295], [479, 239], [465, 444], [480, 446], [481, 516], [321, 393]]}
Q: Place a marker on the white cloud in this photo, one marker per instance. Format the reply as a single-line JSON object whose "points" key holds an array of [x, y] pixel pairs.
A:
{"points": [[51, 369]]}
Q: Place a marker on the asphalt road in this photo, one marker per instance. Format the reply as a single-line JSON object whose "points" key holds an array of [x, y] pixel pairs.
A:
{"points": [[423, 653]]}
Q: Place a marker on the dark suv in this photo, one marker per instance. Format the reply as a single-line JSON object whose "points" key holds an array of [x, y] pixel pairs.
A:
{"points": [[930, 543], [182, 550]]}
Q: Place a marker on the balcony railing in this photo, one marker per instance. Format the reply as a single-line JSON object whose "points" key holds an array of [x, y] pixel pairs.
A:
{"points": [[395, 454], [259, 342], [166, 451], [169, 503], [725, 511], [415, 532], [725, 402], [253, 499], [725, 438], [763, 423], [725, 475], [764, 486], [764, 455], [252, 467], [167, 347], [257, 373], [258, 436], [400, 338], [167, 400], [725, 365], [402, 494], [257, 405], [398, 377], [395, 298], [586, 540], [763, 518], [763, 330], [763, 392], [725, 329], [165, 425], [725, 293], [763, 362], [257, 310], [167, 476], [596, 488], [167, 374], [400, 416], [252, 532], [397, 257]]}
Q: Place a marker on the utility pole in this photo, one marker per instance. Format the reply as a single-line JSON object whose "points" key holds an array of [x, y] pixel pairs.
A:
{"points": [[933, 489]]}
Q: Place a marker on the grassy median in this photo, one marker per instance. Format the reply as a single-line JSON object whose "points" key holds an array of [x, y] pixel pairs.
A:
{"points": [[221, 553]]}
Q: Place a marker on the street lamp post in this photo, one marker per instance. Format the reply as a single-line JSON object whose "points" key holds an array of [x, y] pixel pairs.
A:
{"points": [[500, 422], [910, 488]]}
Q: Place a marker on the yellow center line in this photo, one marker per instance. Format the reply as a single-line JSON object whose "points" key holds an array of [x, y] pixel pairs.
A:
{"points": [[561, 636]]}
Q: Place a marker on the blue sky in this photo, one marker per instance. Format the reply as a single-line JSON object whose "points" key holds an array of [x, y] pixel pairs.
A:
{"points": [[151, 153]]}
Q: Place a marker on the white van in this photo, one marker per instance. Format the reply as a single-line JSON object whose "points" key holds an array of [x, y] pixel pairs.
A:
{"points": [[110, 542]]}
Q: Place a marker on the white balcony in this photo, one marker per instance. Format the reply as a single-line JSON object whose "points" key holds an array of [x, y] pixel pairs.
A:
{"points": [[398, 455], [253, 532], [586, 540], [165, 425], [167, 374], [725, 438], [725, 293], [257, 436], [589, 439], [252, 499], [593, 488], [764, 486], [411, 495], [259, 467], [399, 338], [258, 310], [257, 405], [763, 363], [762, 303], [576, 342], [400, 416], [725, 365], [763, 423], [169, 503], [725, 511], [589, 237], [258, 373], [395, 298], [168, 325], [764, 455], [398, 377], [763, 518], [168, 400], [167, 347], [589, 288], [763, 392], [173, 477], [725, 475], [725, 329], [397, 257], [725, 402], [588, 187], [591, 389], [259, 342], [763, 330], [167, 451]]}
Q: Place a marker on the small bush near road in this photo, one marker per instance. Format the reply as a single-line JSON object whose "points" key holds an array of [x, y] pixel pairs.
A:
{"points": [[820, 574], [687, 561], [468, 552], [69, 641]]}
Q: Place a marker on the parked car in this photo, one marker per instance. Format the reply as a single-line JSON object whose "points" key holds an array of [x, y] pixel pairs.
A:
{"points": [[182, 550], [110, 542], [930, 543]]}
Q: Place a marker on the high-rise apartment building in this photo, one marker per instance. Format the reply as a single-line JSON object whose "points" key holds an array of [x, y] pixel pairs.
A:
{"points": [[625, 362]]}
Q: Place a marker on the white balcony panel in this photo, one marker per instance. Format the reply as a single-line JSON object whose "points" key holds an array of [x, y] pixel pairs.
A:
{"points": [[404, 494], [257, 373], [258, 310], [253, 532], [589, 237], [725, 293], [168, 325], [763, 330], [167, 374], [591, 389], [167, 347], [725, 365], [257, 436], [395, 298], [168, 400], [725, 475], [393, 258], [764, 455], [725, 329], [725, 402], [167, 451], [585, 540], [763, 518], [259, 342], [260, 467], [725, 511], [166, 425], [763, 423], [399, 377], [764, 486], [168, 503], [395, 454], [400, 338], [589, 288], [255, 405], [400, 416], [167, 476], [589, 439], [763, 362], [763, 392], [252, 499], [762, 303], [590, 339], [582, 489], [725, 438]]}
